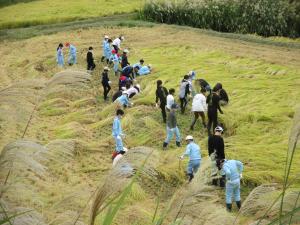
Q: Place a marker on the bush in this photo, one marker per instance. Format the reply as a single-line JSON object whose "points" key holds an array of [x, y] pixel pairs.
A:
{"points": [[263, 17]]}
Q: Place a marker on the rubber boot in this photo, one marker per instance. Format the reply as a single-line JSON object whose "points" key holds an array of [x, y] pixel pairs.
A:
{"points": [[191, 176], [178, 144], [191, 127], [215, 182], [238, 204], [102, 58], [165, 145], [228, 207]]}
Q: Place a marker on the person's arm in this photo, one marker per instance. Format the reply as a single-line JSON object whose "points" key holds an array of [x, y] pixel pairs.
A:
{"points": [[217, 101], [210, 146], [186, 153], [116, 128], [227, 172], [157, 97], [187, 90], [222, 149], [240, 166]]}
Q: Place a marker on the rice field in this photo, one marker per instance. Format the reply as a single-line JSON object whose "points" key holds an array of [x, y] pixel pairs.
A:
{"points": [[30, 13], [262, 82]]}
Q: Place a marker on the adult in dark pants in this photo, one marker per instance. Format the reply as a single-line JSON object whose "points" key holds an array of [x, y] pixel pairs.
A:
{"points": [[90, 60], [161, 96], [183, 92], [212, 111], [124, 61], [105, 82], [216, 152]]}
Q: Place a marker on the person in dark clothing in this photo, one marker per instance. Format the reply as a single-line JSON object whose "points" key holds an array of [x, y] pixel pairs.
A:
{"points": [[124, 61], [224, 100], [129, 71], [161, 96], [90, 60], [183, 93], [105, 82], [216, 152], [204, 84], [212, 112]]}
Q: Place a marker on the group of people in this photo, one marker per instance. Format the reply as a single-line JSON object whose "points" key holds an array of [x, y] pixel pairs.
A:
{"points": [[205, 102]]}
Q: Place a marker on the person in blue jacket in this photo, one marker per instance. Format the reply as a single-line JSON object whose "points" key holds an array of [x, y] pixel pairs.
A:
{"points": [[193, 151], [116, 61], [60, 55], [123, 100], [233, 171], [107, 50], [130, 71], [104, 42], [117, 132], [144, 70], [72, 54], [139, 64]]}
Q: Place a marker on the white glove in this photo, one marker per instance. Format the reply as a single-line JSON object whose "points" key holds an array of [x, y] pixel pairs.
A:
{"points": [[131, 103], [109, 82], [241, 176], [181, 157], [156, 105], [119, 137]]}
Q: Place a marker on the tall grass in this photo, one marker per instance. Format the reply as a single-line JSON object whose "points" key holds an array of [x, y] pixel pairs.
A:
{"points": [[263, 17]]}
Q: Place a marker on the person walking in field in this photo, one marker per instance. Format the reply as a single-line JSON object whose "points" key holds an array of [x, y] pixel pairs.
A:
{"points": [[199, 107], [233, 172], [60, 55], [104, 43], [105, 83], [216, 152], [116, 61], [117, 132], [124, 59], [117, 43], [183, 93], [72, 54], [161, 98], [107, 51], [193, 152], [90, 60], [170, 99], [172, 128], [213, 107]]}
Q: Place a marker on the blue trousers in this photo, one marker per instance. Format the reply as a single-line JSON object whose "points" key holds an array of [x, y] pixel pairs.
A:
{"points": [[116, 66], [233, 190], [119, 144], [170, 134], [72, 59], [60, 61], [193, 166]]}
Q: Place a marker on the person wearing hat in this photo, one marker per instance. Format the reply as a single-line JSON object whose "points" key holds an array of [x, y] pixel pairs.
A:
{"points": [[133, 90], [117, 132], [124, 59], [199, 107], [116, 61], [212, 110], [123, 100], [161, 97], [216, 152], [233, 171], [104, 42], [90, 60], [144, 70], [194, 153], [172, 128], [117, 43], [183, 93], [105, 82], [60, 55], [72, 54], [107, 51]]}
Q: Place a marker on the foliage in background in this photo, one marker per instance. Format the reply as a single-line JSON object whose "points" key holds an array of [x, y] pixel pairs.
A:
{"points": [[263, 17]]}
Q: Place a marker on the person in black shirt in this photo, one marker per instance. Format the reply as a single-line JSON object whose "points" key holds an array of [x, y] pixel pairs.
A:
{"points": [[161, 96], [216, 152], [90, 60], [204, 84], [124, 61], [223, 94], [212, 112], [105, 82]]}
